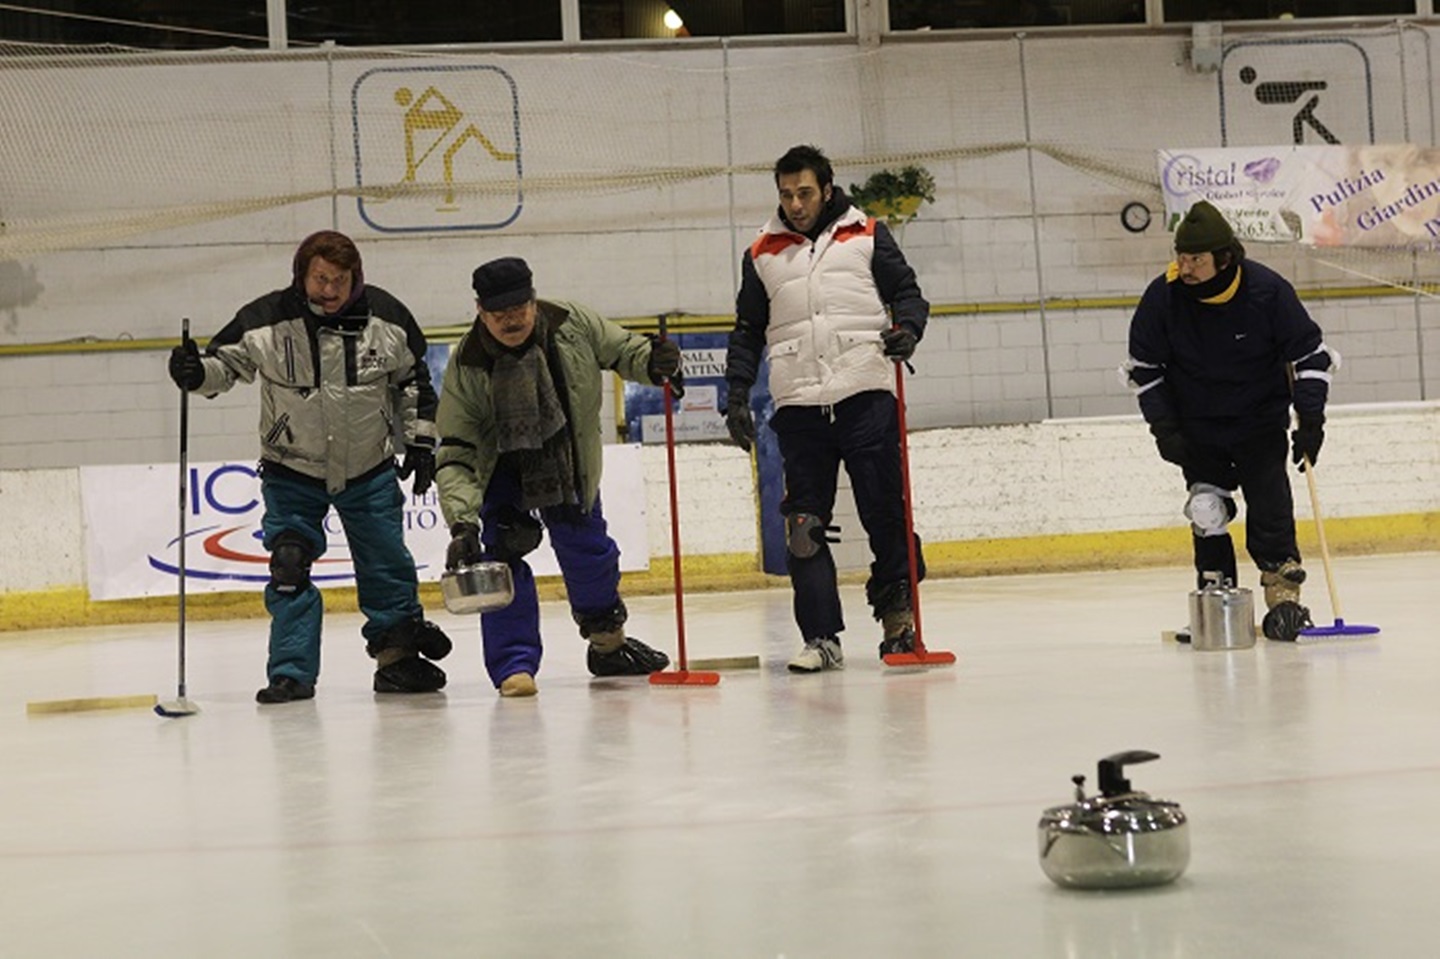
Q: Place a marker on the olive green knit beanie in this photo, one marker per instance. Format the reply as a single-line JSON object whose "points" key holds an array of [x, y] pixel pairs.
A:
{"points": [[1203, 230]]}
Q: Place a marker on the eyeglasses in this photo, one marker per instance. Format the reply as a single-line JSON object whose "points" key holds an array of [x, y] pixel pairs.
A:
{"points": [[510, 314]]}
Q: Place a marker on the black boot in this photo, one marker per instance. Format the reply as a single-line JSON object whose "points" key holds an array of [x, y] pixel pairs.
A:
{"points": [[412, 635], [409, 674], [1285, 620], [432, 641], [631, 658], [284, 689]]}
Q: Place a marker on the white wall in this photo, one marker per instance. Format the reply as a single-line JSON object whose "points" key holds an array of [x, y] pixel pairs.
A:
{"points": [[1054, 478]]}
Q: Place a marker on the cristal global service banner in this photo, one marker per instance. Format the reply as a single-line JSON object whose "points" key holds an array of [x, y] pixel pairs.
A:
{"points": [[132, 530], [1325, 196]]}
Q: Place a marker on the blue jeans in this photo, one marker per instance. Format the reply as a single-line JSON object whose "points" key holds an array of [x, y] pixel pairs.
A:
{"points": [[372, 513], [589, 563]]}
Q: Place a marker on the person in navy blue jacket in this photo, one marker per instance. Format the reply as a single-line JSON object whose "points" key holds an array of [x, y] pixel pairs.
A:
{"points": [[1220, 350]]}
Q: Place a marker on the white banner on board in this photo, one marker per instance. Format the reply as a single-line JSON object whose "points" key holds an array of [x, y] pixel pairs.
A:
{"points": [[1330, 196], [132, 529]]}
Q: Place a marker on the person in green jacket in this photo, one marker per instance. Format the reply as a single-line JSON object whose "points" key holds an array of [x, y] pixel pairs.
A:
{"points": [[521, 453]]}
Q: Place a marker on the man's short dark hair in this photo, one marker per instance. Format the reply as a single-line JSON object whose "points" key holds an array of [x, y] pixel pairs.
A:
{"points": [[800, 158]]}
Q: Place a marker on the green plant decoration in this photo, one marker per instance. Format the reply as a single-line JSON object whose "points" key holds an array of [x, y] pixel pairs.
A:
{"points": [[895, 196]]}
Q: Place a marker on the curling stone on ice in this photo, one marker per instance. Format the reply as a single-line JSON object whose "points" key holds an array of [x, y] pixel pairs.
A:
{"points": [[477, 588], [1222, 615], [1117, 839]]}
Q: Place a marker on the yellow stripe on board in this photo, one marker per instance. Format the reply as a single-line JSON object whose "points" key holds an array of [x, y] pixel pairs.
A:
{"points": [[72, 606], [1401, 533], [1124, 549]]}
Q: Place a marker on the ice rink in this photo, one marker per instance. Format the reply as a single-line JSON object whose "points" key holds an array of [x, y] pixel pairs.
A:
{"points": [[871, 812]]}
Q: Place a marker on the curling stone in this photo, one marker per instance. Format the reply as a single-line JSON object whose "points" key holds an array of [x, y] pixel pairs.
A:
{"points": [[477, 588], [1117, 839], [1222, 616]]}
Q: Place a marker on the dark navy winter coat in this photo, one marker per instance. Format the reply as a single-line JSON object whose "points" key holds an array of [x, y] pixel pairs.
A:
{"points": [[1220, 368]]}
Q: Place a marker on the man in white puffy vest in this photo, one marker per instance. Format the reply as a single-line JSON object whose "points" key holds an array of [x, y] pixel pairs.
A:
{"points": [[826, 290]]}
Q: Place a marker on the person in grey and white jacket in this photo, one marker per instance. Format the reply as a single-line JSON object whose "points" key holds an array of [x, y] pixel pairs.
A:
{"points": [[342, 374]]}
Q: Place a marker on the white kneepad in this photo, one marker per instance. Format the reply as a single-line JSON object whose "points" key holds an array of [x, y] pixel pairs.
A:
{"points": [[1210, 509]]}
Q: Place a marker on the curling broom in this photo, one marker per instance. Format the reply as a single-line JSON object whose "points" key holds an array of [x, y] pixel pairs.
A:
{"points": [[684, 676], [1340, 627], [920, 656]]}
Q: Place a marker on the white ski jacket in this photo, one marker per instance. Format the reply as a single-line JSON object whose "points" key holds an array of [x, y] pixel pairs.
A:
{"points": [[335, 391]]}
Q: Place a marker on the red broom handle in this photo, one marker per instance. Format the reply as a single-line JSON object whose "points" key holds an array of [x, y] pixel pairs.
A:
{"points": [[674, 517], [909, 512]]}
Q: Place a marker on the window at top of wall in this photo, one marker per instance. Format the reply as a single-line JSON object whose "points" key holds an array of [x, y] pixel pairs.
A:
{"points": [[980, 14], [1187, 11], [639, 19], [142, 24], [361, 23]]}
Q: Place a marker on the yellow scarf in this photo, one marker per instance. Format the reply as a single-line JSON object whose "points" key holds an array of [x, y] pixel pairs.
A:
{"points": [[1172, 273]]}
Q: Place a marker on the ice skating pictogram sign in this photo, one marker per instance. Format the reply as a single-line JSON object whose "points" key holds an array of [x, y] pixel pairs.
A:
{"points": [[437, 148], [1297, 90]]}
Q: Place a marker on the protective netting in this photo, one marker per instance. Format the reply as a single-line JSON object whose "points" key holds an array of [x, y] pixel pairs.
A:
{"points": [[104, 146]]}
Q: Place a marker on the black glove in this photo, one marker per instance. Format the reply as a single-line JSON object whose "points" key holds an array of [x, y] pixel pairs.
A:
{"points": [[464, 548], [664, 359], [186, 367], [420, 460], [1307, 438], [1171, 442], [665, 363], [899, 343], [738, 418], [517, 533]]}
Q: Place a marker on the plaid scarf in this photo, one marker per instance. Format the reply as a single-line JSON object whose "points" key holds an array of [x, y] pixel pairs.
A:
{"points": [[530, 425]]}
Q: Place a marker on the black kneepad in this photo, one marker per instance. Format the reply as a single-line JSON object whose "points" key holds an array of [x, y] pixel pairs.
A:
{"points": [[516, 534], [806, 534], [290, 561]]}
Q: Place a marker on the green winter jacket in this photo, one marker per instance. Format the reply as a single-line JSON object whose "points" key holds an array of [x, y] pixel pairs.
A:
{"points": [[582, 343]]}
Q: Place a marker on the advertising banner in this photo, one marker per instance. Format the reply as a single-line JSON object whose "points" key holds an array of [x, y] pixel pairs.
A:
{"points": [[1325, 196], [699, 416], [132, 529]]}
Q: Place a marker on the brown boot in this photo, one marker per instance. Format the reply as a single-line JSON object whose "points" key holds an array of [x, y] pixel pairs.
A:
{"points": [[517, 685], [899, 632], [1282, 585]]}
